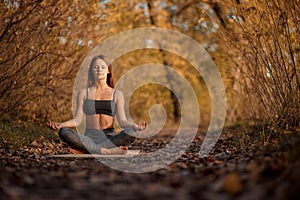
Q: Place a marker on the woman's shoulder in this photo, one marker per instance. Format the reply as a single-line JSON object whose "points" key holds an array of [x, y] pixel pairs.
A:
{"points": [[82, 92], [118, 95], [117, 92]]}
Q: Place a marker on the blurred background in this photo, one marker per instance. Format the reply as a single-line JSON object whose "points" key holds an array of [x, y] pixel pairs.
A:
{"points": [[255, 45]]}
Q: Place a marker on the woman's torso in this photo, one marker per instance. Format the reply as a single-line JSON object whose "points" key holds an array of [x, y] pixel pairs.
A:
{"points": [[99, 108]]}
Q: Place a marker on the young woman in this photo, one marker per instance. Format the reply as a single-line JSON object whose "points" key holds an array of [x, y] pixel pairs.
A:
{"points": [[100, 102]]}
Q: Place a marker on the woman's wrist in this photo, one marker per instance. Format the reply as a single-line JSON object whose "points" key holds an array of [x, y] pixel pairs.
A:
{"points": [[59, 125], [136, 127]]}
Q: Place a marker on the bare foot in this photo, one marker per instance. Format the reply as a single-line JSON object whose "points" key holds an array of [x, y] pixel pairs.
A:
{"points": [[121, 150], [74, 151]]}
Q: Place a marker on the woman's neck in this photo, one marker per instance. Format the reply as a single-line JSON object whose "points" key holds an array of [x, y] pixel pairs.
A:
{"points": [[101, 84]]}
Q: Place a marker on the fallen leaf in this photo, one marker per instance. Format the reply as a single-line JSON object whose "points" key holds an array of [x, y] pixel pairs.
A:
{"points": [[232, 183]]}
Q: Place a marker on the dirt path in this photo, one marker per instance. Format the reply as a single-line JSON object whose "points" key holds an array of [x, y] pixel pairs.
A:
{"points": [[228, 173]]}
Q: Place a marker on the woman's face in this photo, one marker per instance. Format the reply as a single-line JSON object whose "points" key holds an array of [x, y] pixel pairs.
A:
{"points": [[100, 70]]}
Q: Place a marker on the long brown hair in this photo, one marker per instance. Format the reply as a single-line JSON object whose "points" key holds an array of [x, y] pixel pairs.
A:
{"points": [[109, 79]]}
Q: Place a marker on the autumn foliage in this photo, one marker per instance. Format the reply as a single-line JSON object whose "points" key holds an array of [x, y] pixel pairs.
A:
{"points": [[254, 44]]}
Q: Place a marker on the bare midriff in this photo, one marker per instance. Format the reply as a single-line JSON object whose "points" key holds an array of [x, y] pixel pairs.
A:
{"points": [[99, 121]]}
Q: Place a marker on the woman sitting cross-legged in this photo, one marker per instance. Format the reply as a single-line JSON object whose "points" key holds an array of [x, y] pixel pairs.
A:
{"points": [[100, 102]]}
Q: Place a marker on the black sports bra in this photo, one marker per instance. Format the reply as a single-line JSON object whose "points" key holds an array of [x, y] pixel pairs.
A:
{"points": [[106, 107]]}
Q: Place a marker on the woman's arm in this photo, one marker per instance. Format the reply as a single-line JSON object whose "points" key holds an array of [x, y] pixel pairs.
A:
{"points": [[121, 117], [77, 118]]}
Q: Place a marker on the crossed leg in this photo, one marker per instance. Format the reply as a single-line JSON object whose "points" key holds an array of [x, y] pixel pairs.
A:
{"points": [[114, 145]]}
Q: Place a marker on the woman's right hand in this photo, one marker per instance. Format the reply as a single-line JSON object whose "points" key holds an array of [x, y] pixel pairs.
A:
{"points": [[54, 125]]}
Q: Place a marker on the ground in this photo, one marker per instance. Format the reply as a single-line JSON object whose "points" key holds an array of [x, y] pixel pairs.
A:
{"points": [[231, 171]]}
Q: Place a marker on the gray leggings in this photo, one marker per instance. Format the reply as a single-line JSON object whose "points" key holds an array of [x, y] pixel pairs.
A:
{"points": [[93, 140]]}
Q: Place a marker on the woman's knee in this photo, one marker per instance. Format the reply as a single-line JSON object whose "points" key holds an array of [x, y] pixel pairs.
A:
{"points": [[62, 132], [130, 132], [128, 136], [65, 133]]}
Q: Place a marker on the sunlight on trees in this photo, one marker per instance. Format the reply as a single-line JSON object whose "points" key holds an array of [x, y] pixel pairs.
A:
{"points": [[263, 40], [253, 43]]}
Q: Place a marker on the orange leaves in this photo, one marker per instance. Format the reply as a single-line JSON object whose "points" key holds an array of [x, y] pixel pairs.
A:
{"points": [[232, 183]]}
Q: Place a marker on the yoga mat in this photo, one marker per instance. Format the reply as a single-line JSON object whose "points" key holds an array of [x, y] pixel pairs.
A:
{"points": [[130, 153]]}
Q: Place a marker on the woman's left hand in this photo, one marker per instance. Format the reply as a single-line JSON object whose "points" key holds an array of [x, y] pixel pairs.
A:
{"points": [[141, 126]]}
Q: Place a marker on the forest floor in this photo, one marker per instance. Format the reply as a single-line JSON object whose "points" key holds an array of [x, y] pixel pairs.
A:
{"points": [[240, 166]]}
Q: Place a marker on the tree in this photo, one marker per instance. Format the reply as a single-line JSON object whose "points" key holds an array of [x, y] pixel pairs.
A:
{"points": [[44, 43], [263, 36]]}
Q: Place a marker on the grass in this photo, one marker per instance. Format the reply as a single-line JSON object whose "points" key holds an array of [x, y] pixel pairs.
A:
{"points": [[265, 140], [16, 134]]}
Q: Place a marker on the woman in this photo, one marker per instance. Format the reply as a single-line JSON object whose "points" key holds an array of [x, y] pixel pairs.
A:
{"points": [[100, 102]]}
